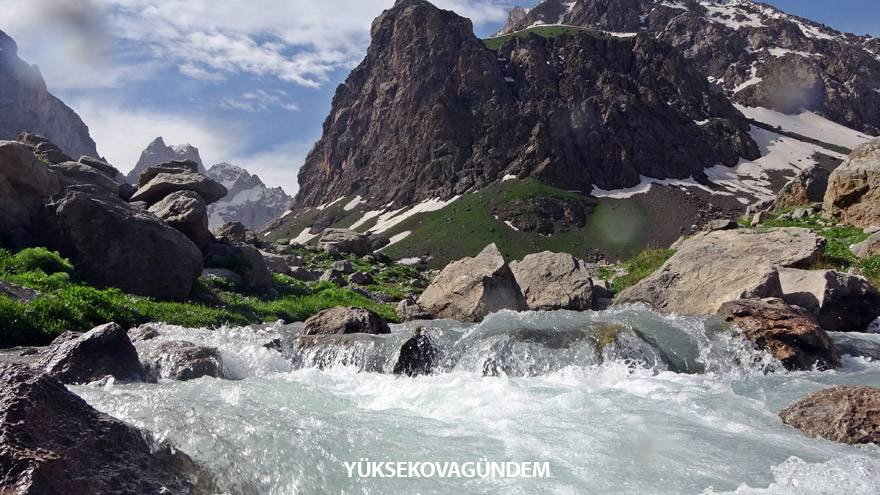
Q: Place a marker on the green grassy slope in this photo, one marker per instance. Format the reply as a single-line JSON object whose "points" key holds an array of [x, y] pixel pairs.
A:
{"points": [[497, 42], [467, 225]]}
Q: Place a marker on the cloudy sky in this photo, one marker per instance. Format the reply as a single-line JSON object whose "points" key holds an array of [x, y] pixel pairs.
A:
{"points": [[246, 81]]}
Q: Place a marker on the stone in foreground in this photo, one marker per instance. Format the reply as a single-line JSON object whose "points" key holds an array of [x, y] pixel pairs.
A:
{"points": [[867, 248], [54, 442], [556, 281], [471, 288], [340, 320], [102, 351], [712, 268], [847, 414], [789, 333]]}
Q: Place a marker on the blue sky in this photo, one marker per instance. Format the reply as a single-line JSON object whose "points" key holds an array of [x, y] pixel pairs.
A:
{"points": [[247, 81]]}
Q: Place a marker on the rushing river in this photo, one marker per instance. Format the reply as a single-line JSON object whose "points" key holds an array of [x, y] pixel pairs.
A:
{"points": [[620, 401]]}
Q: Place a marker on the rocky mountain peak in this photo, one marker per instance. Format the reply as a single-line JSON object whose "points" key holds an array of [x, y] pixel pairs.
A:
{"points": [[757, 54], [249, 201], [27, 105], [433, 112], [158, 152]]}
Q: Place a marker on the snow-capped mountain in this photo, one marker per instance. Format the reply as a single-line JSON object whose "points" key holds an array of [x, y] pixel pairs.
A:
{"points": [[158, 152], [759, 55], [249, 201]]}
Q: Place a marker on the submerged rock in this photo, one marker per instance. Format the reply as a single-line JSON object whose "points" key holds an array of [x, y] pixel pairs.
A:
{"points": [[181, 360], [789, 333], [54, 442], [471, 288], [417, 356], [712, 268], [102, 351], [847, 414], [341, 320]]}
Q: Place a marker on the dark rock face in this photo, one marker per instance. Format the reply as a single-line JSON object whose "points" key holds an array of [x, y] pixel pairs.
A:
{"points": [[340, 320], [106, 168], [102, 351], [53, 442], [757, 54], [180, 360], [847, 414], [788, 332], [431, 112], [25, 184], [158, 152], [546, 215], [418, 355], [44, 149], [185, 211], [27, 105], [841, 302], [113, 243]]}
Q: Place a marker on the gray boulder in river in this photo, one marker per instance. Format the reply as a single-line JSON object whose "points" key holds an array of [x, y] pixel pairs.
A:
{"points": [[556, 281], [102, 351], [471, 288], [712, 268], [842, 302]]}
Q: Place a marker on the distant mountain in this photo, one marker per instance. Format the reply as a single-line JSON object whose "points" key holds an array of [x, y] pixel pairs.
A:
{"points": [[158, 152], [759, 55], [27, 105], [249, 201]]}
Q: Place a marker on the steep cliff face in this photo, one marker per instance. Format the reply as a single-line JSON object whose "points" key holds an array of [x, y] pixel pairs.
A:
{"points": [[757, 54], [27, 105], [248, 201], [158, 152], [432, 112]]}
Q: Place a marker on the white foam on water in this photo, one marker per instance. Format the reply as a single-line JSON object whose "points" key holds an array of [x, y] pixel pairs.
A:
{"points": [[613, 427]]}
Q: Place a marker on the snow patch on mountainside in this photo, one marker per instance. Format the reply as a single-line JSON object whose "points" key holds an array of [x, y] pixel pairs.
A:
{"points": [[387, 219], [807, 124]]}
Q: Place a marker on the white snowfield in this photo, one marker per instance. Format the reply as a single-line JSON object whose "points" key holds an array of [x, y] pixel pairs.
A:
{"points": [[389, 218], [750, 180]]}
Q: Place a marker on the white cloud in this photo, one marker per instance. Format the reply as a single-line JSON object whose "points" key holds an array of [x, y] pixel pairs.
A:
{"points": [[122, 133], [261, 101], [278, 166], [302, 42]]}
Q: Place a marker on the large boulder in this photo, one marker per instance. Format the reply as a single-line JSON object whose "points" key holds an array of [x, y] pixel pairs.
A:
{"points": [[712, 268], [790, 334], [102, 351], [25, 184], [806, 188], [54, 442], [345, 241], [853, 194], [180, 360], [164, 183], [867, 248], [115, 244], [235, 233], [243, 259], [841, 302], [101, 165], [471, 288], [169, 167], [340, 320], [556, 281], [72, 173], [187, 212], [44, 149], [847, 414]]}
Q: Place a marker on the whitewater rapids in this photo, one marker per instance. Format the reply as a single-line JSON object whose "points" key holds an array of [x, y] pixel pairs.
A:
{"points": [[664, 405]]}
